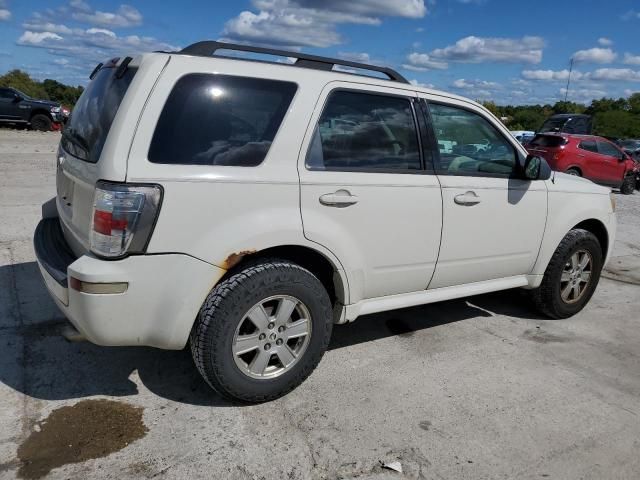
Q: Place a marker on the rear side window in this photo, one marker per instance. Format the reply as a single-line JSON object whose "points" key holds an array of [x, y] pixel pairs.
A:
{"points": [[589, 145], [552, 141], [220, 120], [365, 132], [86, 132]]}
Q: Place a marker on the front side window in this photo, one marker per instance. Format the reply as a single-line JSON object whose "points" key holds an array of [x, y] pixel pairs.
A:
{"points": [[605, 148], [7, 94], [220, 120], [469, 144], [365, 131]]}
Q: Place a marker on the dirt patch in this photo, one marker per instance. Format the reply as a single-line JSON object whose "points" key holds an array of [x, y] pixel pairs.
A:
{"points": [[89, 429], [540, 336]]}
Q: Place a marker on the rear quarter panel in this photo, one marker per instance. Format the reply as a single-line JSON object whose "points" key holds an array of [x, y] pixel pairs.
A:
{"points": [[221, 213]]}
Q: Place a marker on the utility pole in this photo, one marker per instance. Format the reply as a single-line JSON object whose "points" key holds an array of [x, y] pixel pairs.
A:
{"points": [[566, 91]]}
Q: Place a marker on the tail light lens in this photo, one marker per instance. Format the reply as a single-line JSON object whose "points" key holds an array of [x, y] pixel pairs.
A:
{"points": [[123, 218]]}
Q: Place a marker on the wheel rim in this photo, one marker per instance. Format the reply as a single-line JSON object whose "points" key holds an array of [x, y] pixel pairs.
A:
{"points": [[271, 337], [573, 172], [576, 276]]}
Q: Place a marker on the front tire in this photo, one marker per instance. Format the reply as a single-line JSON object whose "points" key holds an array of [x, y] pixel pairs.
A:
{"points": [[41, 123], [251, 340], [628, 185], [571, 276]]}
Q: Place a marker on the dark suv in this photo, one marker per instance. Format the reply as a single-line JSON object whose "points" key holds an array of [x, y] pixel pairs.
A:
{"points": [[17, 107], [576, 123]]}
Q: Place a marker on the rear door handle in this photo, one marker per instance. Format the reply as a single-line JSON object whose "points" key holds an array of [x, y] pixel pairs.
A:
{"points": [[467, 199], [340, 198]]}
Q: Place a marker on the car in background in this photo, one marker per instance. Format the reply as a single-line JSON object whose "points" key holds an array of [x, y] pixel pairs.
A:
{"points": [[575, 123], [18, 108], [520, 134], [631, 147], [588, 156]]}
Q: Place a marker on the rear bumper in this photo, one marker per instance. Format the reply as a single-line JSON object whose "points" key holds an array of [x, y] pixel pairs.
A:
{"points": [[163, 295]]}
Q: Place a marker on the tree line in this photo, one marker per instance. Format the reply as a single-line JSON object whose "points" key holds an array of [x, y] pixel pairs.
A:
{"points": [[611, 118], [46, 90]]}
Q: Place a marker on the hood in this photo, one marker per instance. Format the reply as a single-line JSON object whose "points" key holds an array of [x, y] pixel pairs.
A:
{"points": [[44, 103], [562, 182]]}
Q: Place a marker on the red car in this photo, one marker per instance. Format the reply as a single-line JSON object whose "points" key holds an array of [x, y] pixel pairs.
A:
{"points": [[588, 156]]}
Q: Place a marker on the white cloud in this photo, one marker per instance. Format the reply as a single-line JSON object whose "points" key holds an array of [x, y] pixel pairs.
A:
{"points": [[628, 92], [5, 15], [631, 15], [125, 16], [630, 59], [605, 42], [463, 84], [420, 84], [551, 75], [478, 50], [422, 61], [41, 26], [582, 94], [101, 31], [595, 55], [312, 23], [36, 38], [615, 74]]}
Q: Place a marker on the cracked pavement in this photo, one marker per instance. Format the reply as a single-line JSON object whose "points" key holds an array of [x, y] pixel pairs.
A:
{"points": [[474, 388]]}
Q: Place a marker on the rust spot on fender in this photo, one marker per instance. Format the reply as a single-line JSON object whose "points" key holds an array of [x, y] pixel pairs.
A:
{"points": [[235, 258]]}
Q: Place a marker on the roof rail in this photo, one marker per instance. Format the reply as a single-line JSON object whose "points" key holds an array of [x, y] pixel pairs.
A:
{"points": [[208, 48]]}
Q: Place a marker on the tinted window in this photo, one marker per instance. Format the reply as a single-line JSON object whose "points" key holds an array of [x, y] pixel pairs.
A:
{"points": [[589, 145], [86, 132], [552, 141], [220, 120], [469, 144], [606, 148], [365, 131], [6, 94]]}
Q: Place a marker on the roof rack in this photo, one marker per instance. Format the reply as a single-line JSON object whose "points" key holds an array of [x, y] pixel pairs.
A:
{"points": [[208, 48]]}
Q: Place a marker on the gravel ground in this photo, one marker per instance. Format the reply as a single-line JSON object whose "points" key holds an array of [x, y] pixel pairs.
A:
{"points": [[475, 388]]}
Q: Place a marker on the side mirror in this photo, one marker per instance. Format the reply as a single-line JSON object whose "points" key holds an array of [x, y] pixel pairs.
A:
{"points": [[536, 168], [17, 98]]}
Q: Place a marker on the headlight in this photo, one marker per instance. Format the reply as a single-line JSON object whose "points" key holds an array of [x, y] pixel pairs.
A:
{"points": [[613, 201], [55, 109]]}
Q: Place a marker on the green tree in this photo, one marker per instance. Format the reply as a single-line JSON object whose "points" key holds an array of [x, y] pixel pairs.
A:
{"points": [[22, 81]]}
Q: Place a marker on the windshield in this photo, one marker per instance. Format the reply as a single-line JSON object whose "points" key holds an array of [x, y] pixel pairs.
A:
{"points": [[89, 123], [22, 94], [552, 141], [553, 123]]}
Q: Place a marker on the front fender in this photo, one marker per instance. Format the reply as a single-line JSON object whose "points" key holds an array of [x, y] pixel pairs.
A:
{"points": [[566, 210]]}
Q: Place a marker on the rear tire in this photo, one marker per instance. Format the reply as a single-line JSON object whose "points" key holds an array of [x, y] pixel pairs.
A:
{"points": [[41, 123], [562, 276], [574, 171], [628, 185], [242, 346]]}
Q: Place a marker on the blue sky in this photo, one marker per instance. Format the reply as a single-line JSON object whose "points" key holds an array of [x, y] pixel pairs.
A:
{"points": [[512, 52]]}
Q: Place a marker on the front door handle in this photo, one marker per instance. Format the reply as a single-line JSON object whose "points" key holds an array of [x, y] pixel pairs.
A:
{"points": [[340, 198], [467, 199]]}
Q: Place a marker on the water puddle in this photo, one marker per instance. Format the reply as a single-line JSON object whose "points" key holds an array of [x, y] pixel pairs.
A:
{"points": [[73, 434]]}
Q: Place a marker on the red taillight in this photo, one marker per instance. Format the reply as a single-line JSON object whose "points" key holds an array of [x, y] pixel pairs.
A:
{"points": [[104, 223], [123, 217]]}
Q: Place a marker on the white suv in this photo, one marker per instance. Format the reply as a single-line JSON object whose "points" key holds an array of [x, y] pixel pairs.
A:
{"points": [[246, 206]]}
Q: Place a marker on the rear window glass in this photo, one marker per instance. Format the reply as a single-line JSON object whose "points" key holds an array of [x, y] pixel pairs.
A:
{"points": [[548, 141], [220, 120], [87, 129]]}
